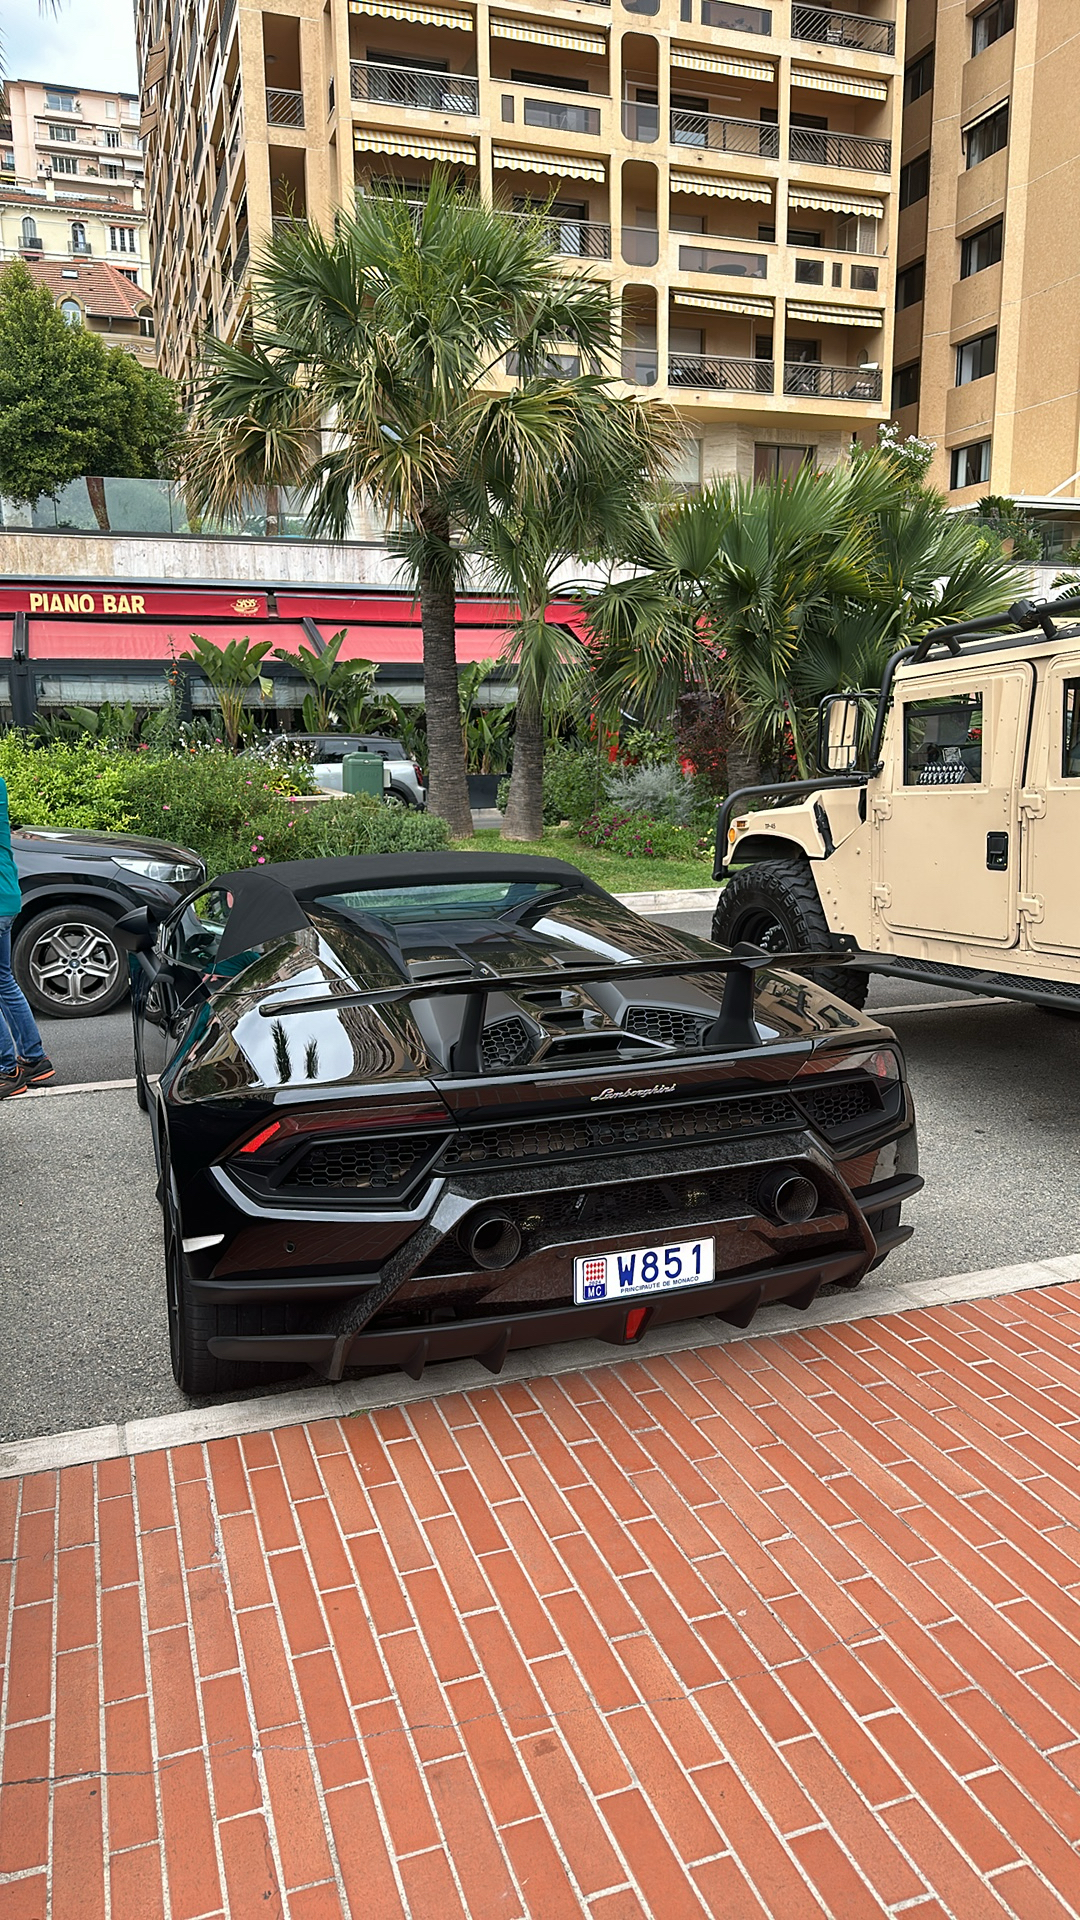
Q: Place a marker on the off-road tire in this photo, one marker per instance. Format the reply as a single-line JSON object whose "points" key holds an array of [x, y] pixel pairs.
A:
{"points": [[775, 905]]}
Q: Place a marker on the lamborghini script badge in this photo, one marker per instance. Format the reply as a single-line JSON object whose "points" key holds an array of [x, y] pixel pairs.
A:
{"points": [[633, 1093]]}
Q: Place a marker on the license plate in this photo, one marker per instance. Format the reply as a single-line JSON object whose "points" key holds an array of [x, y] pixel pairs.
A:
{"points": [[640, 1270]]}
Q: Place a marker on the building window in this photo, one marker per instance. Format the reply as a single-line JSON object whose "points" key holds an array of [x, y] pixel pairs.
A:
{"points": [[72, 312], [981, 250], [146, 325], [112, 137], [970, 465], [29, 231], [7, 161], [905, 386], [991, 23], [128, 273], [915, 179], [111, 171], [976, 358], [61, 133], [122, 240], [987, 136], [57, 101], [78, 237], [919, 77], [910, 284], [781, 463], [64, 163]]}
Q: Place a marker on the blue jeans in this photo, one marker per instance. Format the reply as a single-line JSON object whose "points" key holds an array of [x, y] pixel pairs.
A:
{"points": [[19, 1037]]}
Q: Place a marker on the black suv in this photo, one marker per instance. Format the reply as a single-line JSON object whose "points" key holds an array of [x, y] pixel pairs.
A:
{"points": [[75, 885]]}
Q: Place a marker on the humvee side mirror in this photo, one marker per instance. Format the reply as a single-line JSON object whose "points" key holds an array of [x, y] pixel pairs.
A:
{"points": [[838, 732]]}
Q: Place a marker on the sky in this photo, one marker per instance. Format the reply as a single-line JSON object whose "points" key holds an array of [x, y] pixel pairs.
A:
{"points": [[86, 43]]}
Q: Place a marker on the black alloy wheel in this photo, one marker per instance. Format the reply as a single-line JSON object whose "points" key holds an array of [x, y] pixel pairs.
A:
{"points": [[68, 963], [775, 905]]}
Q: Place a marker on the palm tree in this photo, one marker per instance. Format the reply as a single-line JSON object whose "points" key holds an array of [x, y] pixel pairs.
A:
{"points": [[369, 374], [587, 502], [779, 593]]}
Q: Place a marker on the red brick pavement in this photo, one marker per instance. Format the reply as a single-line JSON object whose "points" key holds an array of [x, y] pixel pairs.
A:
{"points": [[785, 1628]]}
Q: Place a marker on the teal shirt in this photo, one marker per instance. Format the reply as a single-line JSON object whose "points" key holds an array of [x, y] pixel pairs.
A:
{"points": [[10, 896]]}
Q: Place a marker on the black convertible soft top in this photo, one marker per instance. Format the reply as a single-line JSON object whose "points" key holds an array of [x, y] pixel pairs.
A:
{"points": [[267, 901]]}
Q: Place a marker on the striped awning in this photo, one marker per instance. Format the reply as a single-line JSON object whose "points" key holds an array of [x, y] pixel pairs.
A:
{"points": [[733, 65], [559, 166], [417, 145], [822, 82], [420, 16], [725, 303], [715, 187], [577, 39], [835, 316], [836, 203]]}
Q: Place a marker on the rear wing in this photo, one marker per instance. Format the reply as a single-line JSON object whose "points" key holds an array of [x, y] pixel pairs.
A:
{"points": [[732, 1029]]}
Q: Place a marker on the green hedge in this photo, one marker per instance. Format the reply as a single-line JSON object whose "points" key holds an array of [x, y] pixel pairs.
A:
{"points": [[636, 836], [575, 784], [234, 810]]}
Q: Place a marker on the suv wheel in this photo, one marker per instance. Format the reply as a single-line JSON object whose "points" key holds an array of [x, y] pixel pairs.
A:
{"points": [[775, 905], [393, 797], [68, 963]]}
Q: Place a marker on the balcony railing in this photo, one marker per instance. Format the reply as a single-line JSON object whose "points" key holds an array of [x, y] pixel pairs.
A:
{"points": [[577, 239], [831, 383], [640, 121], [821, 149], [219, 194], [243, 254], [829, 29], [724, 136], [415, 88], [640, 246], [284, 107], [720, 374]]}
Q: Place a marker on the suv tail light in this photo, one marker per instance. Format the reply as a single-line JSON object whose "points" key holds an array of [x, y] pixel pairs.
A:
{"points": [[419, 772]]}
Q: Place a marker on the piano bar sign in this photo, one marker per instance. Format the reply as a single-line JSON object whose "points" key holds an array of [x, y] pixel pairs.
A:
{"points": [[87, 603]]}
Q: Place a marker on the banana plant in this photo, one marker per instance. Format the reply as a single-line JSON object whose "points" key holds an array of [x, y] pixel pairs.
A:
{"points": [[231, 671], [339, 688]]}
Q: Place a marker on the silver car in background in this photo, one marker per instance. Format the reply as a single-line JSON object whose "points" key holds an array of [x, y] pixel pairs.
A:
{"points": [[403, 779]]}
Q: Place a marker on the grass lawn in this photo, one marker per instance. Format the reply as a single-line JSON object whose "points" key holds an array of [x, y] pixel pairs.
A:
{"points": [[616, 874]]}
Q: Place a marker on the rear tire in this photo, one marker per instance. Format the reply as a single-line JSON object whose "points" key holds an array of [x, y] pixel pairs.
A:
{"points": [[194, 1323], [775, 905]]}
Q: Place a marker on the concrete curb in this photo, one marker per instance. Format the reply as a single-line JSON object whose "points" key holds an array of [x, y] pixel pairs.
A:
{"points": [[679, 900], [300, 1404]]}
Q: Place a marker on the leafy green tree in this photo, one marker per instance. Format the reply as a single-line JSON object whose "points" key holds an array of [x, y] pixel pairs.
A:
{"points": [[369, 374], [70, 405], [779, 593], [232, 671]]}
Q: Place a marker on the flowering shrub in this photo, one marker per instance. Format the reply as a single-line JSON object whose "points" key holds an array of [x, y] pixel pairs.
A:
{"points": [[635, 836], [233, 809]]}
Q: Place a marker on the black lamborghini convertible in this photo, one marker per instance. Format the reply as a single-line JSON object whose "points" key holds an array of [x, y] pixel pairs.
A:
{"points": [[430, 1106]]}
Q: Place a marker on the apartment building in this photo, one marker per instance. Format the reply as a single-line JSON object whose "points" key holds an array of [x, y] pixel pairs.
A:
{"points": [[729, 167], [71, 178], [987, 338]]}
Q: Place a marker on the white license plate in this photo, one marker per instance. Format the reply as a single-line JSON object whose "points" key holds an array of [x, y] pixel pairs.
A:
{"points": [[641, 1270]]}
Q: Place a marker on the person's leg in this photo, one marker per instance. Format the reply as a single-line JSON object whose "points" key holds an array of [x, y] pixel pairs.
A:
{"points": [[18, 1028]]}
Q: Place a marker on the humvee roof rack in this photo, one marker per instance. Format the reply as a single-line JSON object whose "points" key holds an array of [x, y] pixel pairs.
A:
{"points": [[1022, 617]]}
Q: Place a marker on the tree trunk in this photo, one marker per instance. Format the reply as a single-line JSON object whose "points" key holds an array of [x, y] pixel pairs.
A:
{"points": [[524, 816], [448, 795], [95, 487], [273, 512]]}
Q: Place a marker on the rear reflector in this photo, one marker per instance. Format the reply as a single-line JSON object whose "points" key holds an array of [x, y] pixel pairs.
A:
{"points": [[260, 1139], [633, 1321]]}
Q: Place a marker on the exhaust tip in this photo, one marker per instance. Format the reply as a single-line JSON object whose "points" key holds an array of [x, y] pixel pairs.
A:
{"points": [[790, 1197], [493, 1241]]}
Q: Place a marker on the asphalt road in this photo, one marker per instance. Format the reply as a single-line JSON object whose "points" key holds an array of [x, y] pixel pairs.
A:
{"points": [[997, 1088]]}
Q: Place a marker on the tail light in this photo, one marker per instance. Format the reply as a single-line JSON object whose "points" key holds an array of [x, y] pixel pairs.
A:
{"points": [[419, 772], [276, 1137], [881, 1062]]}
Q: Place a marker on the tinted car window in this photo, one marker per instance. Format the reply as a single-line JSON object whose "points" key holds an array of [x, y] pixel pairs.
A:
{"points": [[194, 939], [1070, 746], [473, 900]]}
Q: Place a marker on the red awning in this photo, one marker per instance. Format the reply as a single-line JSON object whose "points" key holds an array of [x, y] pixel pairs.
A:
{"points": [[143, 639]]}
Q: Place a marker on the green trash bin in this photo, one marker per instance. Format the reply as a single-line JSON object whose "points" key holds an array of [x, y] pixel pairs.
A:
{"points": [[362, 773]]}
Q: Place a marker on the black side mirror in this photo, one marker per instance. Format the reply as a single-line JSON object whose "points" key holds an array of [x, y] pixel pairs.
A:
{"points": [[137, 930]]}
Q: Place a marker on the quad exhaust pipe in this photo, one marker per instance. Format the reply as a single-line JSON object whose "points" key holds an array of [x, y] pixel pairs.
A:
{"points": [[493, 1240], [788, 1196]]}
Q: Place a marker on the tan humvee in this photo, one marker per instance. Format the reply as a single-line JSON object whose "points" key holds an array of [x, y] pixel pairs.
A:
{"points": [[956, 859]]}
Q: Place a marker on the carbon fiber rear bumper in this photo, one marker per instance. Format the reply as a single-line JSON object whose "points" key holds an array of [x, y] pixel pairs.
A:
{"points": [[491, 1338]]}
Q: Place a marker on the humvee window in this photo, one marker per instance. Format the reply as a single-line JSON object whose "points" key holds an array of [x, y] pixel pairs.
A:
{"points": [[1070, 745], [943, 741]]}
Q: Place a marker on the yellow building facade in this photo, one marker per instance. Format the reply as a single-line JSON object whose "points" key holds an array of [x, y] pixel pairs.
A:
{"points": [[729, 167], [987, 340]]}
